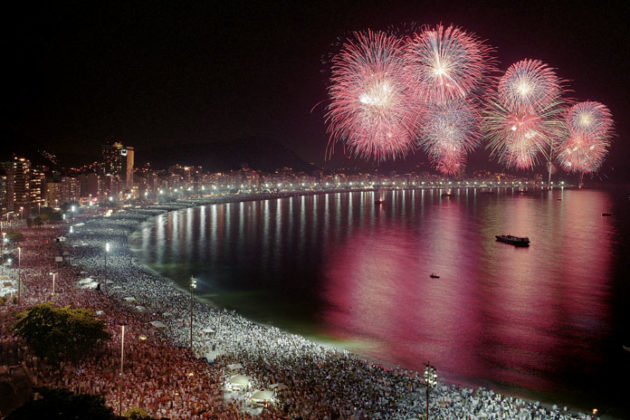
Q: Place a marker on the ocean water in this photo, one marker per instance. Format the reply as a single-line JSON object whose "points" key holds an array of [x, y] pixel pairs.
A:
{"points": [[547, 321]]}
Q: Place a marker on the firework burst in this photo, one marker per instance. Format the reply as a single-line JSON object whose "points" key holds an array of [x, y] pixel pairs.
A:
{"points": [[450, 130], [590, 128], [529, 83], [372, 109], [447, 63], [590, 118], [516, 136], [582, 154], [524, 118]]}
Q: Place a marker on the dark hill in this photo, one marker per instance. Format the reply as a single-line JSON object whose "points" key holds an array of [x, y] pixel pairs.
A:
{"points": [[254, 152]]}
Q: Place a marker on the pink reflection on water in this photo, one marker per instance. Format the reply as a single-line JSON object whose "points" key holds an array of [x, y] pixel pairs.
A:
{"points": [[497, 312], [380, 289]]}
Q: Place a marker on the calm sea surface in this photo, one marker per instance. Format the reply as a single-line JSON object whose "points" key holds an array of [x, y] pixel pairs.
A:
{"points": [[547, 321]]}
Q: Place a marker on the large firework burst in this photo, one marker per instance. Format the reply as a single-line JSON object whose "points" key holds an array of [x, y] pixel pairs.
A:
{"points": [[590, 128], [517, 135], [447, 63], [524, 118], [529, 83], [450, 130], [372, 108]]}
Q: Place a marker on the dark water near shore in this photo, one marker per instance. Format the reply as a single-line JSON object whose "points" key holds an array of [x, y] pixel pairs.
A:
{"points": [[546, 321]]}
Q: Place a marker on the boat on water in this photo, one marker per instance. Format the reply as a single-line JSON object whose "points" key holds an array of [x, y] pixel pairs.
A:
{"points": [[434, 276], [513, 240], [606, 214], [378, 198]]}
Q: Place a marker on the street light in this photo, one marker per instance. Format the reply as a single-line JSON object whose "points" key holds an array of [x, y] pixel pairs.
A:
{"points": [[430, 380], [107, 248], [122, 361], [19, 274], [54, 277], [193, 285]]}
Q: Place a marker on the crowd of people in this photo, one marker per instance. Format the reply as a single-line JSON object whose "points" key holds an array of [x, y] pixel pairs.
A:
{"points": [[162, 375]]}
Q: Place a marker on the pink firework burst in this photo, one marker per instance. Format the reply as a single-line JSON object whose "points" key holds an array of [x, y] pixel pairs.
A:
{"points": [[529, 83], [582, 153], [372, 109], [449, 131], [516, 136], [590, 118], [447, 63], [590, 129], [451, 163]]}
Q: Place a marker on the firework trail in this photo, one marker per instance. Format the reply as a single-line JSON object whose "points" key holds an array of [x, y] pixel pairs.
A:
{"points": [[447, 63], [590, 128], [449, 131], [529, 83], [372, 108]]}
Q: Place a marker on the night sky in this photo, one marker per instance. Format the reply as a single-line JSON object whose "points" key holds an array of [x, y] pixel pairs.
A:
{"points": [[155, 74]]}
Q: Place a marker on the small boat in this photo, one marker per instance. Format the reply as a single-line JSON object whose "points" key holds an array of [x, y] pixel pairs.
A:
{"points": [[379, 201], [434, 276], [513, 240], [447, 194], [606, 214]]}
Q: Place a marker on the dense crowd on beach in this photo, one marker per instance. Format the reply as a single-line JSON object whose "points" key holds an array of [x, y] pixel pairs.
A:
{"points": [[162, 375]]}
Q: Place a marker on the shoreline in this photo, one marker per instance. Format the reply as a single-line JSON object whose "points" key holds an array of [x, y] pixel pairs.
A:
{"points": [[146, 213]]}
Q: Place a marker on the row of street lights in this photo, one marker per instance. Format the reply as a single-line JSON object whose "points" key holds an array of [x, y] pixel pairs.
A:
{"points": [[19, 296]]}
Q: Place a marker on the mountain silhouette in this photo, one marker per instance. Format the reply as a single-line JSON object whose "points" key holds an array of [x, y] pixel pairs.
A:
{"points": [[258, 153]]}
